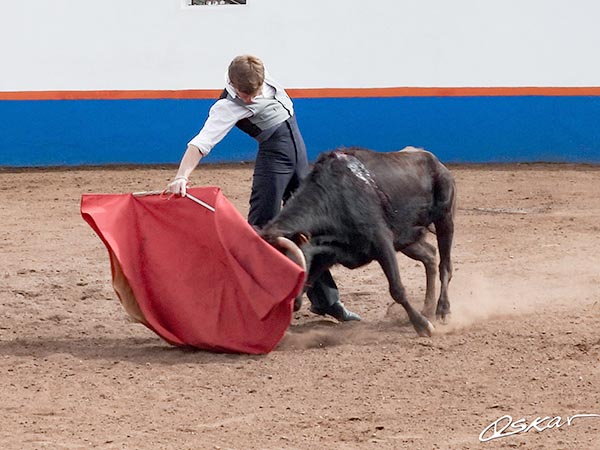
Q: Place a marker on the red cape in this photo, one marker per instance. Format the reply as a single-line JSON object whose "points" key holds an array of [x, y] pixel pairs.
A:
{"points": [[195, 277]]}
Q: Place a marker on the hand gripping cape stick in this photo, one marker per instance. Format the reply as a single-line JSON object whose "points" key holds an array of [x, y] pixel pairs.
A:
{"points": [[197, 275]]}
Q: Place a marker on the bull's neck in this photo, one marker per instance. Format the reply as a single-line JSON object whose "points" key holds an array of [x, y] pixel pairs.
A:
{"points": [[311, 224], [306, 214]]}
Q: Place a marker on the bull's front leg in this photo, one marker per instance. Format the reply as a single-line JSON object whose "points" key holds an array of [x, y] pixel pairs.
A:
{"points": [[387, 261]]}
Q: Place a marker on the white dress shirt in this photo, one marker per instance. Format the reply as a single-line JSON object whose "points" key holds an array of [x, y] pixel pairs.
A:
{"points": [[223, 116]]}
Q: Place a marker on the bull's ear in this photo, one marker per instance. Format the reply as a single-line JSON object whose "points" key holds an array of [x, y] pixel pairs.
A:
{"points": [[301, 238]]}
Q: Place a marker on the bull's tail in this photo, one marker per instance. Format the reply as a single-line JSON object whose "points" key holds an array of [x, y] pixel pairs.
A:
{"points": [[444, 197]]}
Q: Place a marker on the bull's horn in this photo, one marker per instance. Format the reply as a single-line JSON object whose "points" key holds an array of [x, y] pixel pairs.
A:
{"points": [[296, 254]]}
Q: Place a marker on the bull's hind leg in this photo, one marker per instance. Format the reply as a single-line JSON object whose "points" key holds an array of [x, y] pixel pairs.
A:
{"points": [[445, 232], [424, 252], [387, 260]]}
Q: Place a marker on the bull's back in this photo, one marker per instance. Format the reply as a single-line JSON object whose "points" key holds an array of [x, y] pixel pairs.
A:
{"points": [[414, 180], [409, 171]]}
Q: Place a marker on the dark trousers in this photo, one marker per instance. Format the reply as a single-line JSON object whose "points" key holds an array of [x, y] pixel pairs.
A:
{"points": [[281, 163]]}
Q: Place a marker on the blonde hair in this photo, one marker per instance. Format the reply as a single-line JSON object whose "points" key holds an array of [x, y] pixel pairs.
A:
{"points": [[247, 74]]}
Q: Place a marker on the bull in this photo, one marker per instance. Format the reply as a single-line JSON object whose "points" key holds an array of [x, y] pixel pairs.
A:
{"points": [[357, 206]]}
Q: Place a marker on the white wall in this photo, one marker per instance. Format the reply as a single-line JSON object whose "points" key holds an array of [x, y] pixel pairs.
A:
{"points": [[161, 44]]}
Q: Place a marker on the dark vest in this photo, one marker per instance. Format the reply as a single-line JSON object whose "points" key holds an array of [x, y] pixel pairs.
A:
{"points": [[267, 113]]}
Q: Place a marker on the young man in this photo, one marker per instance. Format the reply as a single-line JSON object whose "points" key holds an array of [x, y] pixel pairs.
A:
{"points": [[260, 107]]}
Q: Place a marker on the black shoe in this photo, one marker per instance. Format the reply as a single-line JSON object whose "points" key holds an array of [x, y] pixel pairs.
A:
{"points": [[337, 311]]}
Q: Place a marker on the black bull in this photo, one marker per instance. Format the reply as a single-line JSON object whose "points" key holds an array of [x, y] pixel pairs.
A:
{"points": [[358, 206]]}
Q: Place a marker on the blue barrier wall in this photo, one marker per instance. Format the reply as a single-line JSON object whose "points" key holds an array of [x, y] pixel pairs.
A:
{"points": [[476, 129], [498, 81]]}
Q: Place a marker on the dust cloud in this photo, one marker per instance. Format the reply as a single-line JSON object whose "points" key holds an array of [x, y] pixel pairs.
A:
{"points": [[477, 297], [474, 299], [324, 333]]}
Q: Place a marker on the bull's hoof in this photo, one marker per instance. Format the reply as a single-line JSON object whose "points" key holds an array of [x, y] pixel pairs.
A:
{"points": [[338, 311], [443, 318], [425, 329], [442, 311]]}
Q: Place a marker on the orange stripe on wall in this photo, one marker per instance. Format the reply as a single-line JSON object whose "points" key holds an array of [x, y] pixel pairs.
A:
{"points": [[308, 93], [110, 95], [444, 92]]}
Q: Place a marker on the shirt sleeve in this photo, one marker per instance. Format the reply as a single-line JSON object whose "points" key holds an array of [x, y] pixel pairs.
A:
{"points": [[222, 117]]}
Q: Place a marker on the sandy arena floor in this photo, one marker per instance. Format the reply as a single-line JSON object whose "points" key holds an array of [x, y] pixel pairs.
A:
{"points": [[524, 338]]}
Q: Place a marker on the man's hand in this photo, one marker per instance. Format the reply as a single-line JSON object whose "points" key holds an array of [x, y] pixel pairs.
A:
{"points": [[190, 160], [178, 186]]}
